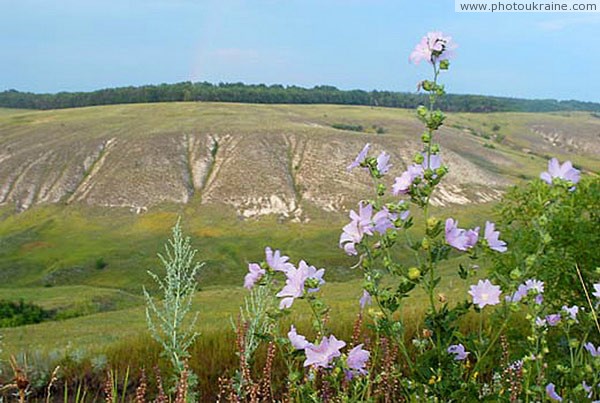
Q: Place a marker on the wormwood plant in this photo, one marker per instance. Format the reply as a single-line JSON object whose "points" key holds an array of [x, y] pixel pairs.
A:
{"points": [[168, 320]]}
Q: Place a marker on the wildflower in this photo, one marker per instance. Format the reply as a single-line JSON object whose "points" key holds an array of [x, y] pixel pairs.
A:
{"points": [[383, 165], [403, 183], [298, 341], [360, 158], [594, 351], [276, 261], [359, 225], [588, 389], [535, 285], [384, 220], [572, 311], [294, 284], [433, 47], [551, 392], [459, 352], [491, 236], [596, 292], [539, 322], [459, 238], [322, 354], [357, 359], [564, 171], [553, 319], [485, 293], [521, 293], [365, 299], [435, 161], [255, 273]]}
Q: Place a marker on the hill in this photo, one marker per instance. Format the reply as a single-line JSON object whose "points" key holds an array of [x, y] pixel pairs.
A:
{"points": [[87, 195]]}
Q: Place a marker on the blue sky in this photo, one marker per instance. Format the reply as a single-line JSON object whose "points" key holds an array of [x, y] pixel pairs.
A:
{"points": [[80, 45]]}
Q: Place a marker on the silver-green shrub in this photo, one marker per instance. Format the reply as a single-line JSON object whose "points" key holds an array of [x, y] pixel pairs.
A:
{"points": [[168, 320]]}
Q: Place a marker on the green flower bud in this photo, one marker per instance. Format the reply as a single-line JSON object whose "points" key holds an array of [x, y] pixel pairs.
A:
{"points": [[435, 148], [432, 222], [515, 274], [425, 243], [444, 64], [426, 137], [418, 158], [414, 273], [421, 111], [427, 85]]}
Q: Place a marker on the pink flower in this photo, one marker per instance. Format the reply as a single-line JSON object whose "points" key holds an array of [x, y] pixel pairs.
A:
{"points": [[459, 352], [433, 47], [276, 261], [485, 293], [255, 273], [357, 359], [294, 284], [298, 342], [365, 299], [360, 225], [491, 236], [459, 238], [596, 292], [322, 354], [564, 171], [405, 180], [383, 165], [360, 158]]}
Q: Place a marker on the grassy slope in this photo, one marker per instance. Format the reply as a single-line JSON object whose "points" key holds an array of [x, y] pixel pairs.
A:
{"points": [[54, 244]]}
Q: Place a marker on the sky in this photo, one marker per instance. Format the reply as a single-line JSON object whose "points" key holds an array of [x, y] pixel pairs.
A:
{"points": [[83, 45]]}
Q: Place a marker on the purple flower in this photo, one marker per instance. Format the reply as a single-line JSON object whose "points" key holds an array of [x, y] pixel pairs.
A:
{"points": [[521, 293], [359, 225], [491, 236], [383, 165], [357, 359], [459, 238], [255, 273], [365, 299], [298, 341], [435, 161], [539, 322], [403, 183], [594, 351], [276, 261], [294, 284], [322, 354], [384, 220], [485, 293], [572, 311], [459, 352], [433, 47], [360, 158], [536, 285], [551, 392], [553, 319], [564, 171], [588, 389], [596, 292], [523, 289]]}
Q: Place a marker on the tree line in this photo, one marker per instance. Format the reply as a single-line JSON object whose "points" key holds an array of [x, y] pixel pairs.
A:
{"points": [[279, 94]]}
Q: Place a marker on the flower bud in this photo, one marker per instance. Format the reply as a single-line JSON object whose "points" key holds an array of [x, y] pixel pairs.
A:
{"points": [[442, 298], [414, 273], [418, 158], [425, 244], [435, 148], [426, 137], [421, 111], [432, 222], [515, 274], [444, 64]]}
